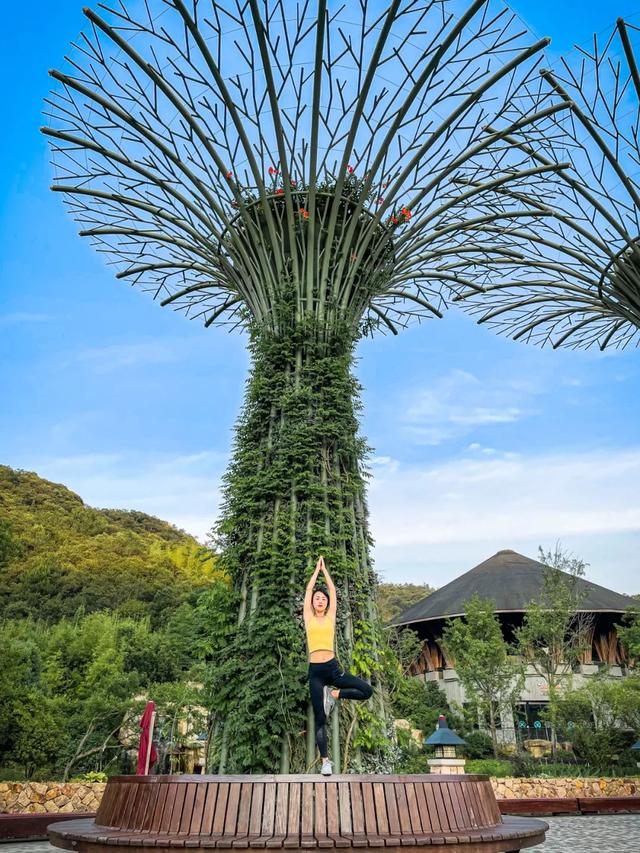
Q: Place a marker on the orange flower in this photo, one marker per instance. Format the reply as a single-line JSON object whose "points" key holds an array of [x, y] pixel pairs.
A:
{"points": [[406, 213], [304, 213], [395, 220]]}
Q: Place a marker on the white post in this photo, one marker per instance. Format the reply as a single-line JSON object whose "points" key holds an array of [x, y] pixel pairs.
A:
{"points": [[150, 744]]}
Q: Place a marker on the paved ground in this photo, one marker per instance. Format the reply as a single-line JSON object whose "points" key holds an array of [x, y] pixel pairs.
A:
{"points": [[590, 834]]}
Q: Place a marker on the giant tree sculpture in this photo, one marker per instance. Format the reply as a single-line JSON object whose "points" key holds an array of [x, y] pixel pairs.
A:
{"points": [[570, 275], [292, 170]]}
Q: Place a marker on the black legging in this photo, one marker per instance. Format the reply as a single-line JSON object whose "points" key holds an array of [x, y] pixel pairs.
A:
{"points": [[331, 674]]}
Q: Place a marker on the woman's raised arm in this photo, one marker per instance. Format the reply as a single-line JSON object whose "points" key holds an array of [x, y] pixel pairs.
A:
{"points": [[332, 608], [308, 595]]}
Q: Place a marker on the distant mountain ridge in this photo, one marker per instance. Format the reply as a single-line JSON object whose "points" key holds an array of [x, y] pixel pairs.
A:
{"points": [[58, 555]]}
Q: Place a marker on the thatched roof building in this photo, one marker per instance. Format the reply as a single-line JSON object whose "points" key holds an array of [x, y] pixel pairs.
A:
{"points": [[512, 581]]}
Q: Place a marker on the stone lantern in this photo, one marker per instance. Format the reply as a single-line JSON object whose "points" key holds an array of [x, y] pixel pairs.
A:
{"points": [[445, 741]]}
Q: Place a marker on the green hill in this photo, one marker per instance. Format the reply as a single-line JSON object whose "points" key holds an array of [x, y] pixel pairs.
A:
{"points": [[59, 556]]}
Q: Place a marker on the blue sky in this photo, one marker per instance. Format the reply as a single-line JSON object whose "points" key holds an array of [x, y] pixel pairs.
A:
{"points": [[479, 443]]}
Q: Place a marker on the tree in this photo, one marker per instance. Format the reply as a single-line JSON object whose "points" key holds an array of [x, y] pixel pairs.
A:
{"points": [[394, 598], [555, 632], [481, 655], [311, 204], [629, 633]]}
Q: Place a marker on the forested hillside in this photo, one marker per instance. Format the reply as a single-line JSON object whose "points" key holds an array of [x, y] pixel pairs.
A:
{"points": [[58, 555], [101, 610]]}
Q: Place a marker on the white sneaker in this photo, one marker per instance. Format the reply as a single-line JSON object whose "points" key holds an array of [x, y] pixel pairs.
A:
{"points": [[326, 768], [328, 701]]}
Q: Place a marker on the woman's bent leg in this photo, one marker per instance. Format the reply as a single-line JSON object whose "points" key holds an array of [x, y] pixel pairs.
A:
{"points": [[316, 688], [352, 687]]}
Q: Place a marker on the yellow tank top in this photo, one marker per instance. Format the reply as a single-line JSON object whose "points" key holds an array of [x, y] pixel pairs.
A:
{"points": [[320, 633]]}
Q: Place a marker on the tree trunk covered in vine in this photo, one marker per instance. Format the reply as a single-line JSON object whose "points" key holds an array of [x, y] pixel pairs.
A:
{"points": [[295, 489]]}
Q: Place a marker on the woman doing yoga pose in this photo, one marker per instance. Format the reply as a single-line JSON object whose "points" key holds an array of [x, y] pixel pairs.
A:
{"points": [[328, 681]]}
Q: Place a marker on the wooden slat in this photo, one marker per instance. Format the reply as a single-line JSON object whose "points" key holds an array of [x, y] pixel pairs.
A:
{"points": [[198, 809], [217, 826], [280, 820], [267, 818], [307, 838], [431, 804], [231, 816], [333, 816], [442, 814], [406, 837], [106, 807], [147, 819], [244, 815], [455, 822], [114, 813], [423, 810], [166, 816], [412, 802], [371, 827], [176, 814], [344, 807], [187, 809], [320, 816], [380, 806], [133, 795], [359, 837], [255, 816], [206, 827], [294, 815], [159, 806]]}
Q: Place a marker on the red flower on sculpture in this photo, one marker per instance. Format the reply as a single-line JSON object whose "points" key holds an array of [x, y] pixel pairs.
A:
{"points": [[406, 213], [395, 220], [229, 174], [303, 213], [380, 200], [279, 191], [350, 170], [273, 171]]}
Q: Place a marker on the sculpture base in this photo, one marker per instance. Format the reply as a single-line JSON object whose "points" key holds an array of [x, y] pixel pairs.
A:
{"points": [[441, 813], [447, 766]]}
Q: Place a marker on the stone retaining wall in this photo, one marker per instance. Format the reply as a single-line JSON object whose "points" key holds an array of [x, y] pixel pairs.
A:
{"points": [[40, 797], [518, 789]]}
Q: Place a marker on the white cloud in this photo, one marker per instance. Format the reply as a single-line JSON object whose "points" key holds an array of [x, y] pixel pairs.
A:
{"points": [[184, 490], [429, 522], [17, 318], [118, 356], [459, 512], [458, 402], [472, 498]]}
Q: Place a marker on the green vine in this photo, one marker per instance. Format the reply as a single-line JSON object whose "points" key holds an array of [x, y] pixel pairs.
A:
{"points": [[295, 488]]}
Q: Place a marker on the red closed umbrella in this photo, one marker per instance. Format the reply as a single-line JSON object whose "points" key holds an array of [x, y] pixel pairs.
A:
{"points": [[147, 754]]}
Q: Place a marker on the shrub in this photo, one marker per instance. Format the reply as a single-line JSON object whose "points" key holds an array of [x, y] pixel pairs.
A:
{"points": [[490, 767], [602, 749], [478, 745]]}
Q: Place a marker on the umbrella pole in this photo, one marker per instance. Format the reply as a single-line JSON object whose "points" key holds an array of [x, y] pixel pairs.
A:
{"points": [[150, 744]]}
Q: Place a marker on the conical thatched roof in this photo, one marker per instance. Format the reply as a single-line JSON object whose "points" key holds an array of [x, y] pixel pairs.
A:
{"points": [[512, 581]]}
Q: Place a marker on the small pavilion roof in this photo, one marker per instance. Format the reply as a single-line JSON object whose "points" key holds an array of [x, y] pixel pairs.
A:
{"points": [[511, 581]]}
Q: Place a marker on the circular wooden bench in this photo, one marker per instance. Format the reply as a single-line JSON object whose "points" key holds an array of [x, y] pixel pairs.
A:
{"points": [[299, 812]]}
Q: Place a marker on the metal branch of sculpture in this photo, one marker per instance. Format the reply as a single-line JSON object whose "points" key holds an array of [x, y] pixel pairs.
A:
{"points": [[302, 173], [576, 266]]}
